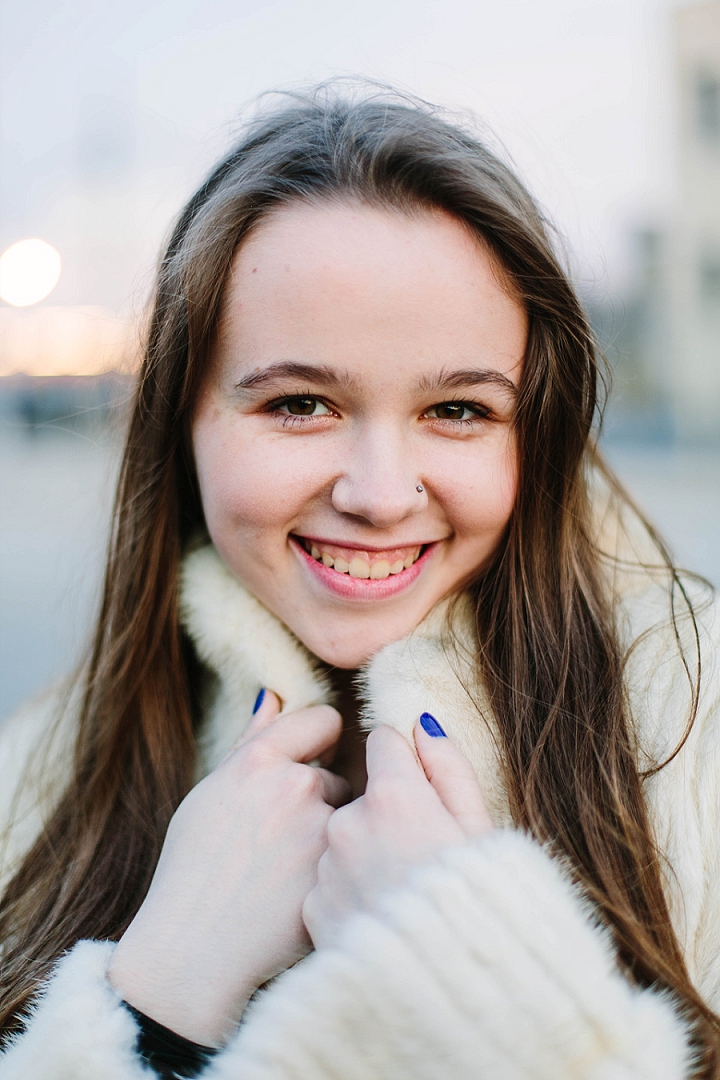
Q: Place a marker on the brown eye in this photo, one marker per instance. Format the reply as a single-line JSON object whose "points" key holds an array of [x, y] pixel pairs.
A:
{"points": [[304, 406], [452, 410]]}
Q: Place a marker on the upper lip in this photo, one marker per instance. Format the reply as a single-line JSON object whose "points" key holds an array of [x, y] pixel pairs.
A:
{"points": [[353, 545]]}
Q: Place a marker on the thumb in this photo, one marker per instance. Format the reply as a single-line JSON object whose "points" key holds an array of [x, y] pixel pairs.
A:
{"points": [[267, 707], [453, 778]]}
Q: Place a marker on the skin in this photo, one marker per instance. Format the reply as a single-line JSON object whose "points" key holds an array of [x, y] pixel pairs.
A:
{"points": [[383, 316], [430, 799], [380, 308], [255, 827]]}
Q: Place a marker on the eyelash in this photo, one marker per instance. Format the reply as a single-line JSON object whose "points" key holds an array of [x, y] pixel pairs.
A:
{"points": [[481, 412], [290, 419]]}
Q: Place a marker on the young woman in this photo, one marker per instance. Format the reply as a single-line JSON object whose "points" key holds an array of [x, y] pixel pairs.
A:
{"points": [[361, 471]]}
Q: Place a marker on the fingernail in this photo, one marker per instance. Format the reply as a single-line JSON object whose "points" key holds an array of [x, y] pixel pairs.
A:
{"points": [[259, 700], [430, 724]]}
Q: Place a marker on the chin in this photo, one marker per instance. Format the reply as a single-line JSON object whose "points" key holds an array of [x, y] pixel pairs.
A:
{"points": [[346, 659], [344, 654]]}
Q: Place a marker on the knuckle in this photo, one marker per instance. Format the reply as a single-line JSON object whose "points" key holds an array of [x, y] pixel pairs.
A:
{"points": [[340, 826], [383, 796], [254, 754], [306, 783]]}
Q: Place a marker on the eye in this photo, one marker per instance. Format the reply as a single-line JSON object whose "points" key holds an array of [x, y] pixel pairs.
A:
{"points": [[457, 410], [302, 406]]}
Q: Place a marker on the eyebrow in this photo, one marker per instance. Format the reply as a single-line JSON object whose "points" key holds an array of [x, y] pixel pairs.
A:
{"points": [[290, 369], [454, 380], [327, 376]]}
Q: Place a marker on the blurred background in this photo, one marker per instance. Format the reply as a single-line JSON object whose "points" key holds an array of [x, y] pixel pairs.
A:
{"points": [[112, 114]]}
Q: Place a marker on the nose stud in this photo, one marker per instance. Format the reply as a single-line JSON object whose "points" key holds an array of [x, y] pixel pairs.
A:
{"points": [[420, 488]]}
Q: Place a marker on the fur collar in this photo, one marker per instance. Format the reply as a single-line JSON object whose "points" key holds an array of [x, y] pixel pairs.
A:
{"points": [[246, 647]]}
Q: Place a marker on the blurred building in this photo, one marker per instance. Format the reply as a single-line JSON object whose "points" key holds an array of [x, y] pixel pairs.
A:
{"points": [[694, 248], [635, 332], [662, 335], [108, 190]]}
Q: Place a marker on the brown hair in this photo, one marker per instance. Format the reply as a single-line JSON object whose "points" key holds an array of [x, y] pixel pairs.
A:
{"points": [[548, 651]]}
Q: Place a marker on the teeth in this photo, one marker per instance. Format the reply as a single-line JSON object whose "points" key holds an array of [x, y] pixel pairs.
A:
{"points": [[360, 568]]}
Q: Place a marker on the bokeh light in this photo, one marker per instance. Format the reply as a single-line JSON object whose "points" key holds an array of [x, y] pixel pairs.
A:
{"points": [[29, 271]]}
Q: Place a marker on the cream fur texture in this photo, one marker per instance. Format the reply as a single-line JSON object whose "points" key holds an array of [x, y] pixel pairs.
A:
{"points": [[246, 647], [78, 1029], [487, 963]]}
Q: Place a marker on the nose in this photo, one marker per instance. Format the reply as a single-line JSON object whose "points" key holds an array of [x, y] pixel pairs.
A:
{"points": [[379, 485]]}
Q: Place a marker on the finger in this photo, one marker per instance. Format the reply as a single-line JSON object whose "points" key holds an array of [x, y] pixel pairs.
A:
{"points": [[389, 754], [306, 734], [335, 789], [328, 756], [267, 707], [453, 778]]}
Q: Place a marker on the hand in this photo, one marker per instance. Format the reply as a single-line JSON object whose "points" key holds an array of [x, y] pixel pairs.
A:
{"points": [[224, 911], [410, 811]]}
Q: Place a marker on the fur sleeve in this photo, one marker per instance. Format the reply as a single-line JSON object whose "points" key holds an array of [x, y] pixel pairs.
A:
{"points": [[78, 1029], [487, 965]]}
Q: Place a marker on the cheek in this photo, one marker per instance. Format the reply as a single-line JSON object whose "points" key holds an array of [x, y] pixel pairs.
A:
{"points": [[481, 494], [247, 484]]}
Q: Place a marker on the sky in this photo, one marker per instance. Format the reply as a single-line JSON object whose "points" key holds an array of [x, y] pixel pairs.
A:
{"points": [[112, 113]]}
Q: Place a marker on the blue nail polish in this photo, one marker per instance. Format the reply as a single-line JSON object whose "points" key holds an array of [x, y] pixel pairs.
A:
{"points": [[430, 724], [259, 700]]}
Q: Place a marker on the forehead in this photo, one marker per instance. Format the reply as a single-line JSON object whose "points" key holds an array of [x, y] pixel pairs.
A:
{"points": [[368, 288]]}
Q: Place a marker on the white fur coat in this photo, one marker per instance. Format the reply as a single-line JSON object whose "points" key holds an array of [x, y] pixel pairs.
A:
{"points": [[487, 963]]}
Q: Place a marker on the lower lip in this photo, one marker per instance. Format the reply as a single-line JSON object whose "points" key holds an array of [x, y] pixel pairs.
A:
{"points": [[351, 588]]}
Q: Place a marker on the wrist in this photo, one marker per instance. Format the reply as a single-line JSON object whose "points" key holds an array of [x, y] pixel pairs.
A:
{"points": [[172, 993], [168, 1054]]}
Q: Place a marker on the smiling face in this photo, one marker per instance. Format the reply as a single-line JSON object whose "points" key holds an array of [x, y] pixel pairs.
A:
{"points": [[353, 439]]}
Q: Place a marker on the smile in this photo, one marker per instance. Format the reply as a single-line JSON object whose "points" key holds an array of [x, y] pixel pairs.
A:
{"points": [[363, 564], [359, 574]]}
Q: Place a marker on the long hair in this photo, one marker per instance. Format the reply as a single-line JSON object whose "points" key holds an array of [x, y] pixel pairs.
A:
{"points": [[548, 651]]}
